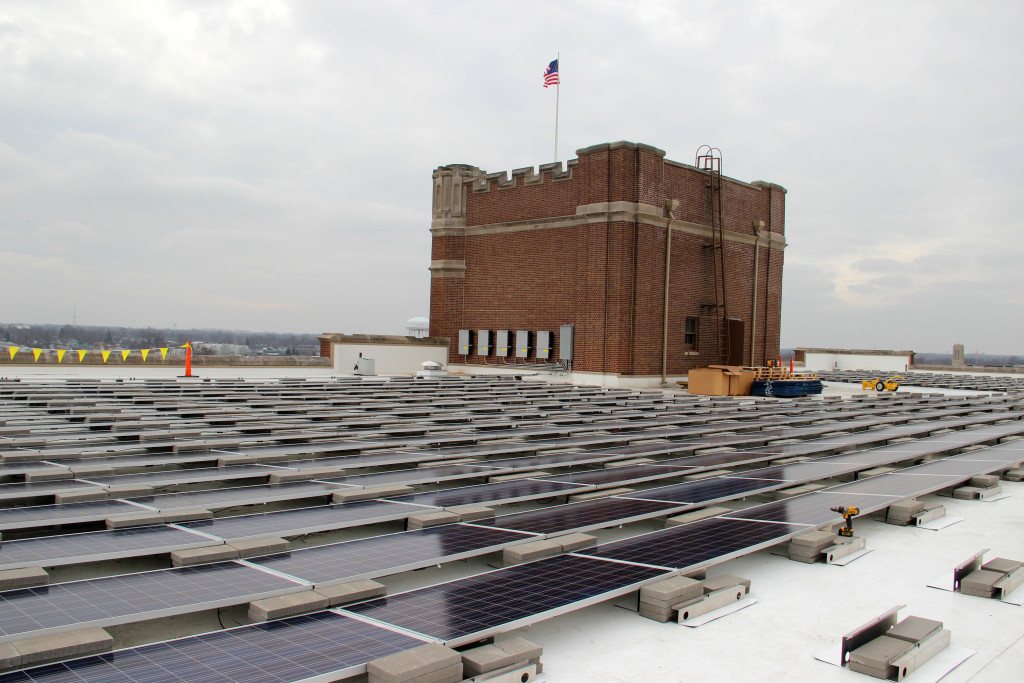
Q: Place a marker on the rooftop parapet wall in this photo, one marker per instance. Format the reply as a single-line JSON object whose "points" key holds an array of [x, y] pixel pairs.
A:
{"points": [[465, 195]]}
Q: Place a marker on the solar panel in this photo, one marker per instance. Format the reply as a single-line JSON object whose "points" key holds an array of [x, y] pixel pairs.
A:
{"points": [[1000, 454], [43, 515], [590, 514], [42, 488], [242, 495], [304, 520], [801, 471], [471, 608], [613, 475], [298, 648], [957, 467], [534, 461], [419, 475], [188, 475], [134, 597], [812, 508], [389, 554], [51, 551], [898, 484], [697, 544], [708, 490], [521, 489]]}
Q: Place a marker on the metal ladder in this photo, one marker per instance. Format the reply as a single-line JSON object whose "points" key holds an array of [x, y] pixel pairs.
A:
{"points": [[709, 160]]}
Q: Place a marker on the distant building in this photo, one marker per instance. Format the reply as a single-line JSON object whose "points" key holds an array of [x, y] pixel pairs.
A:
{"points": [[853, 359], [585, 245], [958, 356]]}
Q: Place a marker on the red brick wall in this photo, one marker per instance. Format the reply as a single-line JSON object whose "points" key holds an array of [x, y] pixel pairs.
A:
{"points": [[607, 278]]}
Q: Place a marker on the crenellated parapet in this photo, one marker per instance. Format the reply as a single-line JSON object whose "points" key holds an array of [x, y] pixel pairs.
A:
{"points": [[504, 180]]}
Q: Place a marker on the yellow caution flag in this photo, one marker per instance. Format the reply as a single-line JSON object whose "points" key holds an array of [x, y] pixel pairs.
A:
{"points": [[124, 354], [35, 354], [106, 355], [60, 354], [144, 352], [13, 350], [81, 354], [163, 352]]}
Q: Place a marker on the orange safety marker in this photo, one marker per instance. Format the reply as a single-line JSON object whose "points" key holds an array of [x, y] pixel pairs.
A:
{"points": [[188, 358]]}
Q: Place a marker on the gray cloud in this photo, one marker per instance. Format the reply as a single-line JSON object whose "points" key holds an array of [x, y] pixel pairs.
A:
{"points": [[265, 164]]}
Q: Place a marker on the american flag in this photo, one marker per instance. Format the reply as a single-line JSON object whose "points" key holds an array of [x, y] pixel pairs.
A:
{"points": [[551, 74]]}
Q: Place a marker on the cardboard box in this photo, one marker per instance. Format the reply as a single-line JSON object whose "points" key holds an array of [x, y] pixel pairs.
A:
{"points": [[720, 380]]}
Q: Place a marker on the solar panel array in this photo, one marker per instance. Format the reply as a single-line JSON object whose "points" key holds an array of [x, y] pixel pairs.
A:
{"points": [[164, 448]]}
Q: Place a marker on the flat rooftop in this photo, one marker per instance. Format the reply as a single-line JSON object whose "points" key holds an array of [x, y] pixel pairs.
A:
{"points": [[107, 482]]}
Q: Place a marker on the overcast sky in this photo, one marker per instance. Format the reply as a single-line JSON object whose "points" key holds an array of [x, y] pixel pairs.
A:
{"points": [[265, 165]]}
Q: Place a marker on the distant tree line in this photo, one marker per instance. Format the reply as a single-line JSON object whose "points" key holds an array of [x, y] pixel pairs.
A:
{"points": [[98, 337]]}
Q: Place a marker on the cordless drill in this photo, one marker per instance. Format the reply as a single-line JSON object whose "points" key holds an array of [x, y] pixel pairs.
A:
{"points": [[848, 513]]}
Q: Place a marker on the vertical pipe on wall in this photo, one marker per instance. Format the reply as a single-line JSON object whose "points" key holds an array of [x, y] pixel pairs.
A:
{"points": [[670, 206], [753, 297]]}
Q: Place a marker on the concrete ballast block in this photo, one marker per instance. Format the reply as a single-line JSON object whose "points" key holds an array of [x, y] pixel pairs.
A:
{"points": [[370, 492], [10, 658], [1001, 565], [984, 481], [303, 475], [204, 555], [255, 547], [671, 591], [63, 646], [573, 542], [402, 667], [721, 581], [353, 591], [128, 490], [914, 629], [287, 605], [134, 519], [186, 515], [469, 513], [527, 552], [11, 579], [423, 520], [82, 496]]}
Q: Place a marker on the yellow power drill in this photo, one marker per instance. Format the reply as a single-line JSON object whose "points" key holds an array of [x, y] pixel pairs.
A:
{"points": [[848, 513]]}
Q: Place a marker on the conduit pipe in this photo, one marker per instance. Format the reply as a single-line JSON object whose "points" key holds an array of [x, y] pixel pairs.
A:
{"points": [[670, 206], [758, 225]]}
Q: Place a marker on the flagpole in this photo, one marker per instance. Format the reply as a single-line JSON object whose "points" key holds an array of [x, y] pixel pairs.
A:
{"points": [[558, 91]]}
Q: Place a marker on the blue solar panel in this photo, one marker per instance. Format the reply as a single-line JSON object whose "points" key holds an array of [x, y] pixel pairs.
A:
{"points": [[589, 514], [521, 489], [612, 475], [697, 544], [813, 508], [304, 520], [47, 515], [50, 551], [898, 484], [389, 554], [708, 490], [134, 597], [294, 649], [468, 609]]}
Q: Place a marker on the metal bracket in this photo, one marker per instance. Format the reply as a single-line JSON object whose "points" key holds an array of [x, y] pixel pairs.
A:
{"points": [[868, 632]]}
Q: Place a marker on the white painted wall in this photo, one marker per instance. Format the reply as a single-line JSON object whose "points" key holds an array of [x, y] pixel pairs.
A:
{"points": [[388, 358], [853, 361]]}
